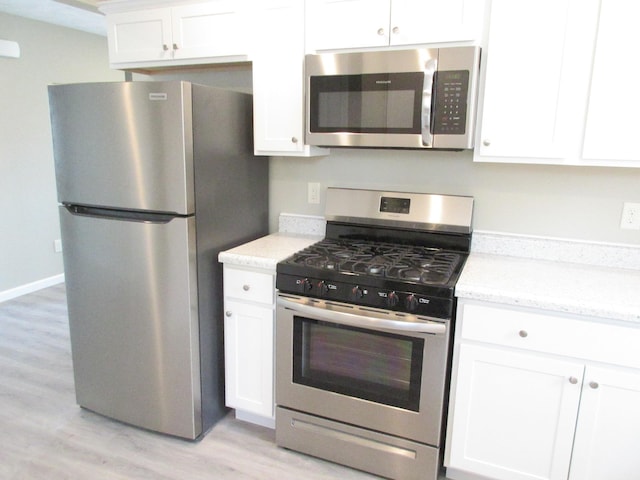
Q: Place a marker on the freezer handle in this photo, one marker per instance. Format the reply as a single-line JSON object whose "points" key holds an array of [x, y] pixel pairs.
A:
{"points": [[123, 215]]}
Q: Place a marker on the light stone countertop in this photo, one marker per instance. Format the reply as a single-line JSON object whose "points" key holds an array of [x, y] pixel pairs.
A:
{"points": [[591, 290], [267, 251], [562, 275]]}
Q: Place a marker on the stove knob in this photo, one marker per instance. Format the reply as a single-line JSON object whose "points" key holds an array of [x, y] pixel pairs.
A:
{"points": [[305, 285], [392, 299], [357, 293], [323, 287], [411, 303]]}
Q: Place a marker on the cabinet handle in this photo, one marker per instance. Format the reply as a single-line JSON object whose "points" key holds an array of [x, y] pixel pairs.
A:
{"points": [[573, 380], [165, 47], [246, 288], [523, 333], [486, 142], [229, 313], [594, 385], [381, 31], [396, 30], [294, 140], [175, 46]]}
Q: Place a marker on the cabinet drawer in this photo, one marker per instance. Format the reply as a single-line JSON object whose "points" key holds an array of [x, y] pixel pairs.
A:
{"points": [[249, 285], [587, 339]]}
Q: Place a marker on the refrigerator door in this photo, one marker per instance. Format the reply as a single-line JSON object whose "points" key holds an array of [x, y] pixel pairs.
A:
{"points": [[133, 314], [124, 145]]}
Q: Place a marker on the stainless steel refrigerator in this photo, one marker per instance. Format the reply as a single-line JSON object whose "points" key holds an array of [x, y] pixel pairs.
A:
{"points": [[154, 179]]}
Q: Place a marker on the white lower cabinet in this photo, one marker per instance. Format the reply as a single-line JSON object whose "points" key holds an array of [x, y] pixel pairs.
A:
{"points": [[608, 430], [520, 414], [248, 343], [537, 396]]}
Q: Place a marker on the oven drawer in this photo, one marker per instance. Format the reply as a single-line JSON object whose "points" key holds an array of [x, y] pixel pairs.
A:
{"points": [[550, 333], [359, 448], [249, 285]]}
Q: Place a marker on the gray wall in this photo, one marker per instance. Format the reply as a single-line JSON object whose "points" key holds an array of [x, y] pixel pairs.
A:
{"points": [[582, 203], [28, 207]]}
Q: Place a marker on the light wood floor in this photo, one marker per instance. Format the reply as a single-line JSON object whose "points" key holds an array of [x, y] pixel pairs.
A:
{"points": [[45, 435]]}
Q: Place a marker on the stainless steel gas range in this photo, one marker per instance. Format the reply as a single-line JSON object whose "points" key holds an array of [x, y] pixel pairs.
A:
{"points": [[364, 331]]}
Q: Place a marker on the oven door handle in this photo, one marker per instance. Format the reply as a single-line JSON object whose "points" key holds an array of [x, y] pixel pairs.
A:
{"points": [[371, 320]]}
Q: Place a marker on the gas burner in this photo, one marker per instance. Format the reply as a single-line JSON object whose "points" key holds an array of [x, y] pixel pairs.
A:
{"points": [[407, 263]]}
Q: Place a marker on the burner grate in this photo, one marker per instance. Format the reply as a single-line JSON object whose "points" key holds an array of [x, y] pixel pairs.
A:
{"points": [[409, 263]]}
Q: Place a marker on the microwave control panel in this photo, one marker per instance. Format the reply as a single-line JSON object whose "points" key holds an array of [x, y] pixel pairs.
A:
{"points": [[451, 95]]}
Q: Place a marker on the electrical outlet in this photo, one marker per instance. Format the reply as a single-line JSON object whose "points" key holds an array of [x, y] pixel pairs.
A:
{"points": [[57, 246], [630, 216], [313, 192]]}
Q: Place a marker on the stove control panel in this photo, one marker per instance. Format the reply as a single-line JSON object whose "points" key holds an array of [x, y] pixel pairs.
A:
{"points": [[371, 296]]}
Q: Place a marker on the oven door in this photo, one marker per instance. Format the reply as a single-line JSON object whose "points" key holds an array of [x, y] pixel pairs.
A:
{"points": [[371, 368]]}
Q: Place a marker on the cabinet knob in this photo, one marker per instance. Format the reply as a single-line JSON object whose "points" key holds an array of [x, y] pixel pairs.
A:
{"points": [[246, 288], [523, 333], [381, 31], [229, 313], [165, 47], [294, 140], [175, 46], [594, 385], [396, 30], [573, 380], [486, 142]]}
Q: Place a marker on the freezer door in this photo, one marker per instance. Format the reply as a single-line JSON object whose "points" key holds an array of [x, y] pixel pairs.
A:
{"points": [[133, 316], [125, 145]]}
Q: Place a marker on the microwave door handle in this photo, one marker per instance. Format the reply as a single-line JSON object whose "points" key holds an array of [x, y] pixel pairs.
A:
{"points": [[369, 321], [428, 102]]}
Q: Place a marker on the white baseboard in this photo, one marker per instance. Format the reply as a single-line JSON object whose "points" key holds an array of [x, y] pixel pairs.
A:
{"points": [[31, 287]]}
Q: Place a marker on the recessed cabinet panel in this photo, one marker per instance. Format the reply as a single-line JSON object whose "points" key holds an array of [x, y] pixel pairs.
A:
{"points": [[608, 430], [524, 79], [248, 337], [339, 24], [514, 414], [433, 21], [336, 24], [210, 29], [278, 79], [612, 121], [139, 36]]}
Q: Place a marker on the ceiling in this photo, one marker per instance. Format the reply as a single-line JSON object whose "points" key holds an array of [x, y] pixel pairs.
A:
{"points": [[77, 14]]}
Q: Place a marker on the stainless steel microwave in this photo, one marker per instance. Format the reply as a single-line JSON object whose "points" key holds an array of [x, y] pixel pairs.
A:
{"points": [[420, 98]]}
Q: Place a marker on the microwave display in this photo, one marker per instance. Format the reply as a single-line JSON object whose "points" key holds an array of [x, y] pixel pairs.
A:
{"points": [[370, 103]]}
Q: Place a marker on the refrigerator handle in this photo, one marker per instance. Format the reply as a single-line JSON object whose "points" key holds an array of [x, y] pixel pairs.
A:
{"points": [[123, 215]]}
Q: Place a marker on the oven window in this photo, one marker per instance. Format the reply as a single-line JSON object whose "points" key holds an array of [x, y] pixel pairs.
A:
{"points": [[368, 103], [380, 367]]}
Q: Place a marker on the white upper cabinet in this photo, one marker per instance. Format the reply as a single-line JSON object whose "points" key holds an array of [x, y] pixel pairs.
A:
{"points": [[278, 79], [551, 70], [537, 66], [342, 24], [612, 126], [181, 34]]}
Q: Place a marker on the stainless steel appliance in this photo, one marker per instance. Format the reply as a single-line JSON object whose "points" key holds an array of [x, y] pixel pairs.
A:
{"points": [[422, 98], [154, 179], [363, 331]]}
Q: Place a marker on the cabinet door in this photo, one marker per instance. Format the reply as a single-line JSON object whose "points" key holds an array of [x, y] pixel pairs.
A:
{"points": [[433, 21], [210, 29], [139, 36], [608, 430], [536, 85], [248, 351], [335, 24], [278, 79], [513, 415], [612, 124]]}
